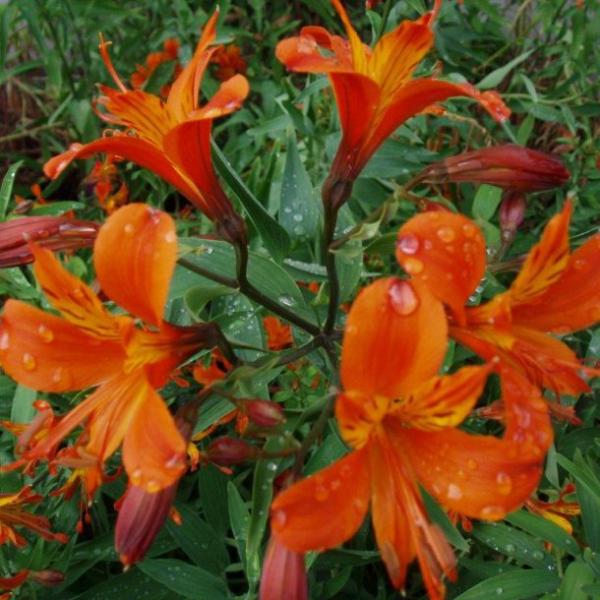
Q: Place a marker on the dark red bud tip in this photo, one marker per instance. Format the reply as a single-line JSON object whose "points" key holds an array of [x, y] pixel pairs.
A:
{"points": [[141, 516], [512, 212], [225, 451], [48, 578], [264, 413]]}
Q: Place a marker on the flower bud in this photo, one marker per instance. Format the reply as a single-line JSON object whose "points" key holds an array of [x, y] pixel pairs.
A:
{"points": [[54, 233], [511, 213], [510, 167], [48, 577], [264, 412], [141, 516], [225, 451], [283, 574]]}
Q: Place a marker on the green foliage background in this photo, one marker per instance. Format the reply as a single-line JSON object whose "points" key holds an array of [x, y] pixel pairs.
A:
{"points": [[542, 55]]}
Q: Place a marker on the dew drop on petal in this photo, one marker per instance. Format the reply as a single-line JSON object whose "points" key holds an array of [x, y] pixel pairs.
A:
{"points": [[428, 244], [346, 471], [454, 492], [57, 375], [4, 340], [128, 229], [136, 476], [403, 298], [279, 518], [174, 462], [413, 266], [469, 230], [408, 244], [472, 464], [335, 484], [45, 333], [504, 483], [492, 513], [446, 234], [170, 237], [29, 362], [321, 493], [152, 487]]}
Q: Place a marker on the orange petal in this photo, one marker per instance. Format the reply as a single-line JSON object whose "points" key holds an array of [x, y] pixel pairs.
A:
{"points": [[49, 354], [153, 450], [302, 53], [229, 97], [183, 96], [395, 339], [76, 301], [188, 146], [545, 262], [446, 252], [138, 279], [325, 509], [11, 583], [131, 148], [442, 402], [573, 302], [359, 55]]}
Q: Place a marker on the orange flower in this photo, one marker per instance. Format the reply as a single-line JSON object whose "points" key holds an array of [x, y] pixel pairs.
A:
{"points": [[12, 514], [557, 511], [374, 88], [91, 347], [153, 61], [556, 292], [279, 335], [400, 418], [171, 138], [216, 370], [229, 62]]}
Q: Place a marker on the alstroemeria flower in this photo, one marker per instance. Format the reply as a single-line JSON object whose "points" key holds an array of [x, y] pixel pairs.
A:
{"points": [[555, 292], [134, 258], [171, 138], [400, 417], [374, 88], [13, 514]]}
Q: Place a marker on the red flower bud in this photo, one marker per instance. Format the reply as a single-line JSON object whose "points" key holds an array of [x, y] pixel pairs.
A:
{"points": [[264, 412], [54, 233], [509, 167], [141, 516], [512, 212], [48, 577], [225, 451], [283, 574]]}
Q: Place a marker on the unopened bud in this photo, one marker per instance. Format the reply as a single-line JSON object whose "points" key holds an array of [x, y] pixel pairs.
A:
{"points": [[264, 412], [510, 167], [225, 451], [283, 574], [511, 213], [54, 233], [48, 577]]}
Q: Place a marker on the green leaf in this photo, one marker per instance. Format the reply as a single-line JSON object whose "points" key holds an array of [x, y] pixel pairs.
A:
{"points": [[184, 579], [577, 576], [486, 201], [7, 187], [273, 235], [495, 77], [298, 209], [239, 518], [56, 208], [212, 485], [133, 584], [22, 406], [439, 517], [514, 585]]}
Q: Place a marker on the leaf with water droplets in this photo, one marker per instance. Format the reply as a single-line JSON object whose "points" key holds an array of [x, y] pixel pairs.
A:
{"points": [[513, 585], [7, 187]]}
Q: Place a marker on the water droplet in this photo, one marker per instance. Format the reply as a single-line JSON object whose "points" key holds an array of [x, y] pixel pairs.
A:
{"points": [[299, 230], [403, 298], [279, 518], [128, 229], [504, 483], [408, 244], [152, 487], [460, 473], [472, 464], [510, 548], [346, 471], [469, 230], [579, 264], [58, 375], [136, 476], [174, 462], [335, 484], [454, 492], [492, 513], [29, 362], [413, 266], [446, 234], [4, 340], [45, 333], [170, 237], [272, 466], [298, 218], [321, 493], [537, 555], [499, 591], [428, 244], [287, 300]]}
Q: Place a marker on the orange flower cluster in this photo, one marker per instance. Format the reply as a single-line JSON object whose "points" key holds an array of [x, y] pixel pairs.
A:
{"points": [[143, 72], [229, 62], [103, 177]]}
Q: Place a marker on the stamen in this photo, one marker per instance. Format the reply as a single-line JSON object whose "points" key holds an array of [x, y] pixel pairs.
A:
{"points": [[103, 47]]}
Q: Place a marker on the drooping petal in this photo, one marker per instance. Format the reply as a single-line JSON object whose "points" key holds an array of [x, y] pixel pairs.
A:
{"points": [[402, 528], [183, 96], [545, 262], [153, 450], [139, 151], [76, 301], [395, 339], [325, 509], [446, 252], [138, 277], [443, 401], [229, 97], [49, 354], [573, 302], [482, 476]]}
